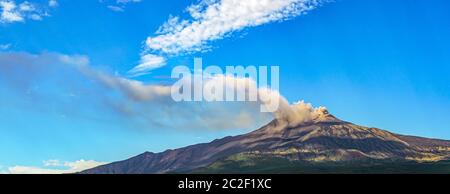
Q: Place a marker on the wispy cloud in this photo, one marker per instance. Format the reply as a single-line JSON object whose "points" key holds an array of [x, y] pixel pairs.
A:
{"points": [[116, 8], [53, 3], [212, 20], [5, 46], [118, 5], [55, 167], [148, 62]]}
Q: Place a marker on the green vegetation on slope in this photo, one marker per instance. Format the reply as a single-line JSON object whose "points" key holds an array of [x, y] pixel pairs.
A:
{"points": [[250, 163]]}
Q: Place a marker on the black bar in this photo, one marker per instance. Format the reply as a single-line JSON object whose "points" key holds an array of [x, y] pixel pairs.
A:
{"points": [[239, 184]]}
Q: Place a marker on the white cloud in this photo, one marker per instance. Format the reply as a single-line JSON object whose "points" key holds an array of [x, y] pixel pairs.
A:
{"points": [[53, 3], [52, 162], [59, 167], [11, 11], [215, 19], [26, 7], [36, 17], [115, 8], [127, 1], [118, 5], [147, 63]]}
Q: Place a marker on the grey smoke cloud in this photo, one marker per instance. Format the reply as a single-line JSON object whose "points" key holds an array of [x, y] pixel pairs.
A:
{"points": [[149, 103]]}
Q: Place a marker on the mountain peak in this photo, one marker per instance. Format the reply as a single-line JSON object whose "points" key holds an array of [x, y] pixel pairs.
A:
{"points": [[323, 115], [301, 113], [300, 116]]}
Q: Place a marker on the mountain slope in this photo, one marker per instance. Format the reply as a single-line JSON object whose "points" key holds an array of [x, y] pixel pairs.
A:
{"points": [[324, 139], [250, 163]]}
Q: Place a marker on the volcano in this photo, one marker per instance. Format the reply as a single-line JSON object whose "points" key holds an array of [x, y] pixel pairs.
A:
{"points": [[324, 142]]}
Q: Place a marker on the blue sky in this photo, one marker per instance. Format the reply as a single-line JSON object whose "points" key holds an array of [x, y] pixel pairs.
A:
{"points": [[380, 63]]}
